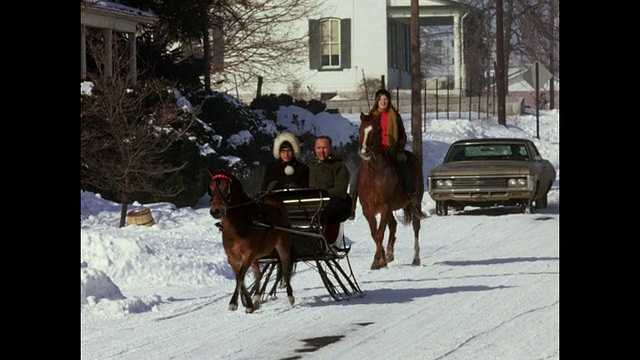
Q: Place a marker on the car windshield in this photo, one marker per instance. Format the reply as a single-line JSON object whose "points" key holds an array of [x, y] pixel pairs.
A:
{"points": [[488, 152]]}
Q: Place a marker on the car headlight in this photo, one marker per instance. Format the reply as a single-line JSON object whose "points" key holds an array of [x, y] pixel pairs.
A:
{"points": [[517, 182], [444, 183]]}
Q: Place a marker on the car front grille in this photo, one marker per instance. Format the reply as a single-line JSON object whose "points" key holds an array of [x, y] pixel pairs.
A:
{"points": [[479, 183]]}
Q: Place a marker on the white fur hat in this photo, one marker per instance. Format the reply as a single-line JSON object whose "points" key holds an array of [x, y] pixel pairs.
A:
{"points": [[286, 136]]}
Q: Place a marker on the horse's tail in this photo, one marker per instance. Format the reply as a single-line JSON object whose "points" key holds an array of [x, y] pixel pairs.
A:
{"points": [[408, 214]]}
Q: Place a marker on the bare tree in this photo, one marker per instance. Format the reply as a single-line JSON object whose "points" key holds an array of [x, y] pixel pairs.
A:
{"points": [[539, 36], [367, 87], [530, 30], [257, 39], [125, 132]]}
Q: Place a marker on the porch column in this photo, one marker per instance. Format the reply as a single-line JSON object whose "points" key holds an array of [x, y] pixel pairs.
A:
{"points": [[133, 64], [460, 47], [83, 53], [457, 51], [108, 51]]}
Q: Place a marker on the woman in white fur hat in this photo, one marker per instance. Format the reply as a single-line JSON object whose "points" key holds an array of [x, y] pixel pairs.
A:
{"points": [[286, 172]]}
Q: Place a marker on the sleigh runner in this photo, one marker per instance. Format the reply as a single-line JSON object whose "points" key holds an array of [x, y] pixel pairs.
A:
{"points": [[310, 245]]}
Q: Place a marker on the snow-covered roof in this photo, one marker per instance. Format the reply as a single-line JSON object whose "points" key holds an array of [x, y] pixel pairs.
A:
{"points": [[120, 9]]}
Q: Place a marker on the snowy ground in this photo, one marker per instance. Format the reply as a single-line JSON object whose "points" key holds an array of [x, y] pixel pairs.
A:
{"points": [[487, 288]]}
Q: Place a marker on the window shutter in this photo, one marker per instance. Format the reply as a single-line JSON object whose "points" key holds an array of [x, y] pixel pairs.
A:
{"points": [[345, 43], [315, 50]]}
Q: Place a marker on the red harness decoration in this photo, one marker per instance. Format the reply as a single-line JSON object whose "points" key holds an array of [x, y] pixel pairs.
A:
{"points": [[220, 176]]}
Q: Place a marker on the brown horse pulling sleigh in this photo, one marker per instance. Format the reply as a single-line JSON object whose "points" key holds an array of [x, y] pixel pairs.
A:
{"points": [[270, 234]]}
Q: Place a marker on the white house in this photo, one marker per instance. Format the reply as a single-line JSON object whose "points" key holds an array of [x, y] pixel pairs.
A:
{"points": [[109, 17], [353, 39]]}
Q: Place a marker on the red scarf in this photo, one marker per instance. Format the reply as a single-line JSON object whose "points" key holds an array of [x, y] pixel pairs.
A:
{"points": [[384, 126]]}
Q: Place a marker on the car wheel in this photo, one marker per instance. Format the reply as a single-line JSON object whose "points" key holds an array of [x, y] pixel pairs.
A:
{"points": [[441, 208], [541, 203]]}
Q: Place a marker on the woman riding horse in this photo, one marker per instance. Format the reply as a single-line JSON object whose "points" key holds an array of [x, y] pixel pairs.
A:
{"points": [[394, 139]]}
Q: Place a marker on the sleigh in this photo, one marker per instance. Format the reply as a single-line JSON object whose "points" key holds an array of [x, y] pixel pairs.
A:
{"points": [[310, 246]]}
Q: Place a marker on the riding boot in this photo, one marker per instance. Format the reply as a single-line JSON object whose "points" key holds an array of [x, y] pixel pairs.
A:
{"points": [[331, 232], [354, 201], [415, 207]]}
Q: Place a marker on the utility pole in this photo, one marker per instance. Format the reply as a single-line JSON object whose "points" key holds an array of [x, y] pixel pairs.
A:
{"points": [[501, 80], [552, 91], [416, 81]]}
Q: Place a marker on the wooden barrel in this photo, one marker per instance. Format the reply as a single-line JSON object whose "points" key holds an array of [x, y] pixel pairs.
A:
{"points": [[140, 217]]}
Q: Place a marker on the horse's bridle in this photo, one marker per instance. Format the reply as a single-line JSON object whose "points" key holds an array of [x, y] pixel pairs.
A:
{"points": [[225, 199]]}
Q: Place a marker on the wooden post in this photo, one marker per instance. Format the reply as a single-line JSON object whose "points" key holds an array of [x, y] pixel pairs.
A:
{"points": [[460, 99], [437, 98], [470, 96], [414, 34], [366, 91], [501, 78], [488, 89], [259, 91], [479, 94], [424, 124]]}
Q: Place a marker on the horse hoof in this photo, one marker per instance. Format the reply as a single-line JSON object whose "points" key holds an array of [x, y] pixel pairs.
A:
{"points": [[376, 266], [233, 307], [416, 261], [292, 300], [249, 310], [390, 258]]}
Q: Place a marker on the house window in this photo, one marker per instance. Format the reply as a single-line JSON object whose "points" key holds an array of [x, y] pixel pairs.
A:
{"points": [[330, 44], [330, 34], [406, 42], [392, 52], [399, 51]]}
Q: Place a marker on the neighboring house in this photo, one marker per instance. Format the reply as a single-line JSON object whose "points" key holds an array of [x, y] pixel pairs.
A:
{"points": [[440, 47], [352, 39], [518, 86], [109, 17]]}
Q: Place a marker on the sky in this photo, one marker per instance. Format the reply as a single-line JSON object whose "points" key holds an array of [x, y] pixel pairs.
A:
{"points": [[488, 286]]}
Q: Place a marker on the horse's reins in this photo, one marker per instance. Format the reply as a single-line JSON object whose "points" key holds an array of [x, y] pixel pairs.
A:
{"points": [[254, 223]]}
